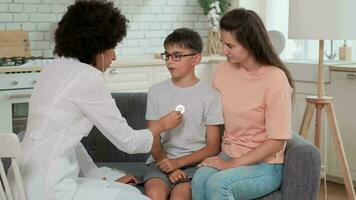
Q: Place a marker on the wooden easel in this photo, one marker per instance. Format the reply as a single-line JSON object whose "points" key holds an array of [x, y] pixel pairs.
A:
{"points": [[319, 103]]}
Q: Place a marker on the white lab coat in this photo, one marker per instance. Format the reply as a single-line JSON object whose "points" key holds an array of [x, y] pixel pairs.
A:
{"points": [[69, 98]]}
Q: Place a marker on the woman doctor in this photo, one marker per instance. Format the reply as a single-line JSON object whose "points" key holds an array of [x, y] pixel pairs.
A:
{"points": [[69, 98]]}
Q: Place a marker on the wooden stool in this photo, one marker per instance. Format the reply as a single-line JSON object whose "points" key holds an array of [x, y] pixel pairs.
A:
{"points": [[319, 103]]}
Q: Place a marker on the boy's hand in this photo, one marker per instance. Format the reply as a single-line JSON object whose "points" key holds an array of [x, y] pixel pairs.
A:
{"points": [[171, 120], [127, 179], [168, 165], [177, 175]]}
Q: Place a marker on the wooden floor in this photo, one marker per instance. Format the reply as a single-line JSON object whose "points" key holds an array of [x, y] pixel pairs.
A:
{"points": [[335, 191]]}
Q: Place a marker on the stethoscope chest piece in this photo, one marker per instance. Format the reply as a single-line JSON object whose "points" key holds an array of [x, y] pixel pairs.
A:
{"points": [[180, 108]]}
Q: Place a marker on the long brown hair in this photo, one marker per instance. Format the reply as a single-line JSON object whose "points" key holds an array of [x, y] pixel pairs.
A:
{"points": [[248, 29]]}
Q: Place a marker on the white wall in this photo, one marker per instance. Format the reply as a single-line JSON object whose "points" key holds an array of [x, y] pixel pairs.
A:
{"points": [[234, 4], [150, 22], [257, 5]]}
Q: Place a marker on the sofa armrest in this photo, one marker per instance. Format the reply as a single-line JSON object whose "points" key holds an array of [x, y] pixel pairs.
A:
{"points": [[301, 176]]}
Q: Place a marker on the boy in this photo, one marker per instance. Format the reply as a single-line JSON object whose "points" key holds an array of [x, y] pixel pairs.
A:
{"points": [[173, 161]]}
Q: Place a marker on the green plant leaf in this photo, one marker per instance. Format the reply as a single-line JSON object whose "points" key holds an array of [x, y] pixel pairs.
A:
{"points": [[205, 4]]}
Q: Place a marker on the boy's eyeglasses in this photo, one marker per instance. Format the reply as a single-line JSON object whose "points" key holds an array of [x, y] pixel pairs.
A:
{"points": [[175, 57]]}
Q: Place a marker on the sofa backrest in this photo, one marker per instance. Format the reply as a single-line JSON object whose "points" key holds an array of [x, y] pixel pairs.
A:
{"points": [[133, 108]]}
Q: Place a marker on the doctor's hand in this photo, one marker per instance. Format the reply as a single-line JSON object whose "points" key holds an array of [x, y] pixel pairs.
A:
{"points": [[169, 121], [127, 179]]}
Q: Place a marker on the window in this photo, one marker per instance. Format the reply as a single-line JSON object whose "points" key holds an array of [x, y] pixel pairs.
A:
{"points": [[275, 16]]}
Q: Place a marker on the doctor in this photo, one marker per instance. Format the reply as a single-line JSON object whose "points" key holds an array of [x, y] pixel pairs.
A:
{"points": [[69, 98]]}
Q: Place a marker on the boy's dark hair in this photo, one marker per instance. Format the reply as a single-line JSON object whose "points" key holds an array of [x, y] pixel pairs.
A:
{"points": [[185, 38], [88, 28]]}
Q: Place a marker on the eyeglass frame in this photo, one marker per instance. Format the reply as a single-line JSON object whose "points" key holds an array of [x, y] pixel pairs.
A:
{"points": [[179, 56]]}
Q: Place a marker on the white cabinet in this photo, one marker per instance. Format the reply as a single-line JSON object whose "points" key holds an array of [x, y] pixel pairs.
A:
{"points": [[343, 88], [130, 78]]}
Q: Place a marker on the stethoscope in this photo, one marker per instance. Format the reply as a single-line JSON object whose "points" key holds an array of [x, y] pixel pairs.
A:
{"points": [[102, 60]]}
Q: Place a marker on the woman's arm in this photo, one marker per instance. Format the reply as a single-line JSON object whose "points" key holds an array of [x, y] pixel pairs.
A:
{"points": [[259, 154]]}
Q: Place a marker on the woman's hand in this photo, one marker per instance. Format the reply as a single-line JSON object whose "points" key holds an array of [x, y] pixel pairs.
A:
{"points": [[127, 179], [177, 175], [215, 162], [168, 165]]}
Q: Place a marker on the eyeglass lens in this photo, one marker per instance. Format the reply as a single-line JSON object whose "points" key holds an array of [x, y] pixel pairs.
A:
{"points": [[175, 57]]}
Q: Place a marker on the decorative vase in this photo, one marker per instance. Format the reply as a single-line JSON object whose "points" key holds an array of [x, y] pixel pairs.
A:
{"points": [[214, 45]]}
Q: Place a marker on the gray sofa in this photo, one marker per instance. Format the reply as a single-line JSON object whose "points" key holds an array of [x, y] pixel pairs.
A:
{"points": [[302, 160]]}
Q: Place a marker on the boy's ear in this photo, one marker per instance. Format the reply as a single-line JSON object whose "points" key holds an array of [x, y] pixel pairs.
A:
{"points": [[197, 58]]}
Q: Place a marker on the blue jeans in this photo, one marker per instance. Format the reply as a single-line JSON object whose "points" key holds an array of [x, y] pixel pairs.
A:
{"points": [[247, 182]]}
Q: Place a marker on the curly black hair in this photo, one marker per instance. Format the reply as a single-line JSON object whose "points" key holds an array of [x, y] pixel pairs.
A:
{"points": [[88, 28]]}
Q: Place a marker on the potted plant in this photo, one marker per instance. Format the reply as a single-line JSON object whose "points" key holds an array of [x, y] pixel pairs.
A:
{"points": [[214, 9]]}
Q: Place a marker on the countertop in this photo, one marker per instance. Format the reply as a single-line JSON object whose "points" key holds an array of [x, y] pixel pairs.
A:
{"points": [[135, 62], [125, 62], [344, 67], [20, 69]]}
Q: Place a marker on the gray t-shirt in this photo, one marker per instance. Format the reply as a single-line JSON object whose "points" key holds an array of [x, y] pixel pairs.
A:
{"points": [[202, 107]]}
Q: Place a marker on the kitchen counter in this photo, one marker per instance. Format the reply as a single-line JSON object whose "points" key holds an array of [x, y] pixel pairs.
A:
{"points": [[135, 62], [307, 70], [20, 69], [124, 62], [351, 67]]}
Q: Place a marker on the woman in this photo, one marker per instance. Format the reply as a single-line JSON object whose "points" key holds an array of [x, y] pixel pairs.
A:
{"points": [[69, 98], [256, 93]]}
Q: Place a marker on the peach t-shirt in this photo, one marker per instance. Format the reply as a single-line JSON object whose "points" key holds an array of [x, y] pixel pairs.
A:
{"points": [[256, 107]]}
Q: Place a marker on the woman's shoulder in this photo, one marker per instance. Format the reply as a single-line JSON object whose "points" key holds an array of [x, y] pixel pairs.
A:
{"points": [[224, 67], [275, 73], [71, 70], [223, 64], [84, 75], [277, 79]]}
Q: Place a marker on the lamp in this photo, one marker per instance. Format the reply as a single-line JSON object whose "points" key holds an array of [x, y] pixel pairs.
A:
{"points": [[320, 20]]}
